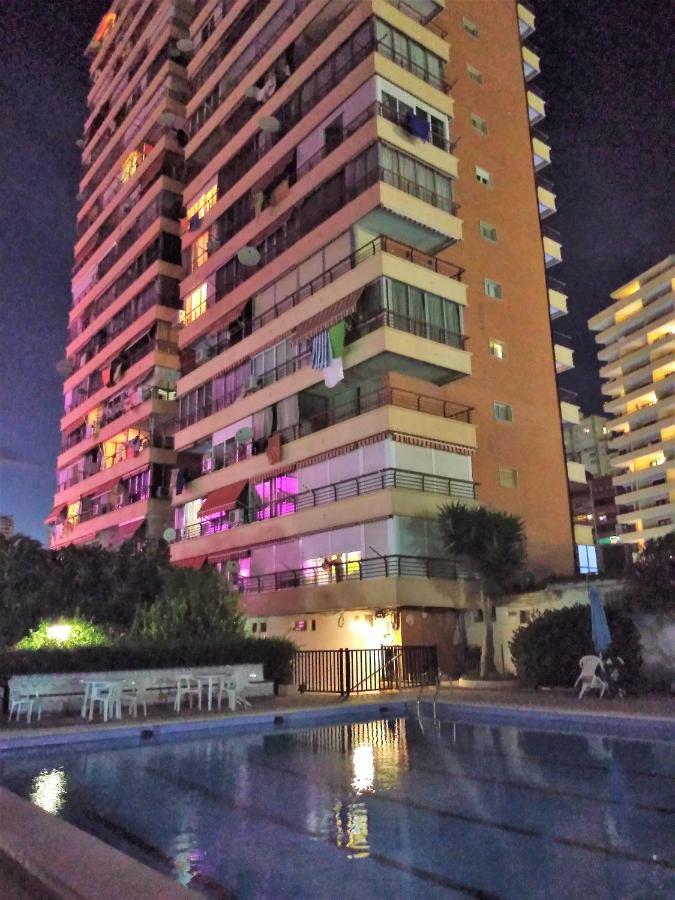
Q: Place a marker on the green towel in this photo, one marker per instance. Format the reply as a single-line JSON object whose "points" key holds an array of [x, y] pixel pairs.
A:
{"points": [[336, 335]]}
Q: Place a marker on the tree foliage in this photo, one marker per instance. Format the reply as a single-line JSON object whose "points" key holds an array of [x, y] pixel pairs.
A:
{"points": [[493, 543], [650, 586], [548, 649], [194, 604]]}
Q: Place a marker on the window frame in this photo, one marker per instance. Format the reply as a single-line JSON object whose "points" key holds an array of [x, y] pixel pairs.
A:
{"points": [[479, 124], [509, 470], [506, 407], [484, 228]]}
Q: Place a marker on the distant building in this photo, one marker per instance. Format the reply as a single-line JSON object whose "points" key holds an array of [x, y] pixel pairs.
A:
{"points": [[6, 526], [637, 337], [587, 442]]}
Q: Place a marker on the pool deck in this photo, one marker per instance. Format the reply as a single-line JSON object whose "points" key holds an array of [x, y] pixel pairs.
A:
{"points": [[59, 728]]}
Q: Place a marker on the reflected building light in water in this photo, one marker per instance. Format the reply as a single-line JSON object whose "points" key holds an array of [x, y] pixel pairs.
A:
{"points": [[363, 762], [48, 790]]}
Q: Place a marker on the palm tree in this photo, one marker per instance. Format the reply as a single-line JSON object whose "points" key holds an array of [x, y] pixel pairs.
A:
{"points": [[493, 542]]}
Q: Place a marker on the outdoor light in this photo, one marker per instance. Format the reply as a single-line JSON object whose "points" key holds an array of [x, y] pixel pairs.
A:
{"points": [[60, 632]]}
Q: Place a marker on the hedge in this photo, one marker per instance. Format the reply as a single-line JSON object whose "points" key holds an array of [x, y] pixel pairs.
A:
{"points": [[547, 651], [275, 654]]}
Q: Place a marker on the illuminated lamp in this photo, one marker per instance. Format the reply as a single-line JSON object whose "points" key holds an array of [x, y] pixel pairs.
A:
{"points": [[59, 632]]}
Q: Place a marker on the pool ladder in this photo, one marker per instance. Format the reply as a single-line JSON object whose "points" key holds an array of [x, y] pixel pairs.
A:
{"points": [[437, 687]]}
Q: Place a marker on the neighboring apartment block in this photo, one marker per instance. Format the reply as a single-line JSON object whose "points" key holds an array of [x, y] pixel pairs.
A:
{"points": [[364, 316], [587, 443], [637, 337]]}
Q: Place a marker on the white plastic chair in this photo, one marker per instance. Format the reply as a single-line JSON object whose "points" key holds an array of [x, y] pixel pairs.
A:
{"points": [[187, 686], [109, 697], [25, 701], [588, 677], [230, 687], [135, 693]]}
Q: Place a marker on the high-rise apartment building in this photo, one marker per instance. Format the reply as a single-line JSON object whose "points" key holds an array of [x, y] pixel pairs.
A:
{"points": [[587, 443], [637, 337], [122, 361], [365, 319]]}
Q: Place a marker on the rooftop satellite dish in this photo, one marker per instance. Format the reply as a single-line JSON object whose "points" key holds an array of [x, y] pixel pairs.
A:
{"points": [[169, 535], [248, 256], [185, 45], [269, 123], [79, 143], [251, 92], [244, 435]]}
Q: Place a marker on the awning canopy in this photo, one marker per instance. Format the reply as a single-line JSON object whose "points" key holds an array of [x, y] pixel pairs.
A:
{"points": [[223, 499], [102, 488], [125, 532], [55, 513], [232, 314], [327, 317], [194, 562]]}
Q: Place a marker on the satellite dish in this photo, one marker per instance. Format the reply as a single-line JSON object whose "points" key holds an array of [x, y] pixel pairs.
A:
{"points": [[185, 45], [79, 196], [248, 256], [64, 367], [169, 535], [269, 124], [251, 92], [79, 143], [244, 435]]}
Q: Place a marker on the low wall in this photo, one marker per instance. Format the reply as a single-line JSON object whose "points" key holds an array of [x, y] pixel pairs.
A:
{"points": [[64, 691]]}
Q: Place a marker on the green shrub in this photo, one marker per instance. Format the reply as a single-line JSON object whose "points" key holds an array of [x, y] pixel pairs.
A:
{"points": [[547, 651], [80, 633], [275, 654]]}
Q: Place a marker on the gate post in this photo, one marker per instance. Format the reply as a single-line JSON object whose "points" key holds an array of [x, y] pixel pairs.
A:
{"points": [[347, 683]]}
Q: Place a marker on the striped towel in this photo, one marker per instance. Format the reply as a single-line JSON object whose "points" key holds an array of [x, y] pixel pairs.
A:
{"points": [[321, 354]]}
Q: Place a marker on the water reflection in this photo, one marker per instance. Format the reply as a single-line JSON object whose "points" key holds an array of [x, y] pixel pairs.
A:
{"points": [[48, 790], [351, 821], [363, 763]]}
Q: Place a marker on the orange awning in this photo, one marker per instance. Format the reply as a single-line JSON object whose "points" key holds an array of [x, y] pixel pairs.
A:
{"points": [[125, 532], [194, 562], [223, 499], [55, 513], [327, 317]]}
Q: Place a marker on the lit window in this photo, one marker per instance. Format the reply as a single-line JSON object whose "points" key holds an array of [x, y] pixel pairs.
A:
{"points": [[470, 26], [133, 161], [492, 289], [474, 73], [200, 250], [325, 569], [497, 348], [194, 305], [488, 232], [479, 124], [201, 206], [588, 559], [508, 477], [483, 176], [503, 412]]}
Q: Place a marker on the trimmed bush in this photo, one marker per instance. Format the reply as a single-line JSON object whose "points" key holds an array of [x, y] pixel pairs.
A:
{"points": [[80, 634], [547, 651], [275, 654]]}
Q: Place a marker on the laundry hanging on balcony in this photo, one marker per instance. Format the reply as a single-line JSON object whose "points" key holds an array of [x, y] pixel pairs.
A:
{"points": [[417, 126], [327, 349]]}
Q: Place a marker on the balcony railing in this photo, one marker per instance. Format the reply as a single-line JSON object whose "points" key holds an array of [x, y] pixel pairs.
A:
{"points": [[331, 493], [567, 396], [412, 13], [100, 509], [358, 570], [436, 81], [418, 327], [564, 340], [165, 443]]}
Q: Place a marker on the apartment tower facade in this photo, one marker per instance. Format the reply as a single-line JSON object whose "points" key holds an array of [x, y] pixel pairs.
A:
{"points": [[636, 334], [122, 362], [364, 322]]}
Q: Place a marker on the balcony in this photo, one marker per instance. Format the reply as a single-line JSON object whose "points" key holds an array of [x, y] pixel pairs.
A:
{"points": [[531, 64], [545, 198], [536, 107], [525, 21], [541, 151], [331, 493], [422, 11], [563, 352], [569, 409], [552, 249], [576, 473], [557, 298]]}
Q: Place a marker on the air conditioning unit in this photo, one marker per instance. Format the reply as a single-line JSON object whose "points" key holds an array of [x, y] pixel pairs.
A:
{"points": [[236, 516], [253, 384], [207, 465]]}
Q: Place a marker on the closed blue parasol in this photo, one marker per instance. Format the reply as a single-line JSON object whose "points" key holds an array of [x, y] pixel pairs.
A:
{"points": [[599, 627]]}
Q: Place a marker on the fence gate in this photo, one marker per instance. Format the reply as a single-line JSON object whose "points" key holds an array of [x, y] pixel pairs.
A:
{"points": [[348, 671]]}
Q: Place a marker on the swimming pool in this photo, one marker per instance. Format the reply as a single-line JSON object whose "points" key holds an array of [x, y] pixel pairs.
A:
{"points": [[389, 807]]}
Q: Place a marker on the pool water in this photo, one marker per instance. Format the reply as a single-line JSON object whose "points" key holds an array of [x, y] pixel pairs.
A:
{"points": [[392, 807]]}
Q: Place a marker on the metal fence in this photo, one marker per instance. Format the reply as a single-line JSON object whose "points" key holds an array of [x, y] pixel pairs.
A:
{"points": [[348, 671]]}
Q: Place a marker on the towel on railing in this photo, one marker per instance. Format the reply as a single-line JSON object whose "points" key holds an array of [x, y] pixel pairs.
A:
{"points": [[417, 125]]}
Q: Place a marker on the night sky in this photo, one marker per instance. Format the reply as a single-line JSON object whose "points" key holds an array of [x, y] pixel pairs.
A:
{"points": [[606, 79]]}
